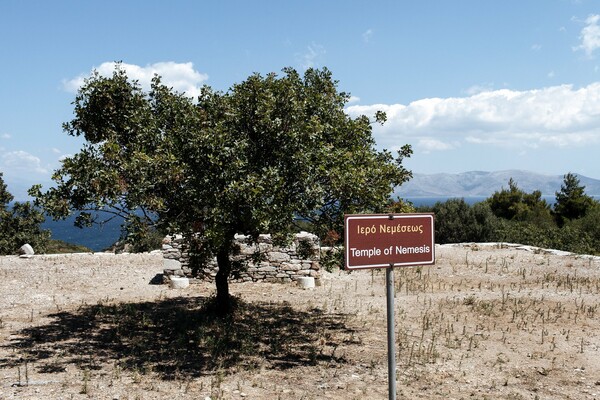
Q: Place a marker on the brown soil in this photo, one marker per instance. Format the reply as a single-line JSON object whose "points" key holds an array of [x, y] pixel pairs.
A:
{"points": [[483, 323]]}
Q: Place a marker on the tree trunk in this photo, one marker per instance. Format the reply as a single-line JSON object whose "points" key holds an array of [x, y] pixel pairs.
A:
{"points": [[223, 301]]}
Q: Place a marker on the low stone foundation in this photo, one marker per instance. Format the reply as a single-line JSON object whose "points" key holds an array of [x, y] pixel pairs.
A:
{"points": [[277, 264]]}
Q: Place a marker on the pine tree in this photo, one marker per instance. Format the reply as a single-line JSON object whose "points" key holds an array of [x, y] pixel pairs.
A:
{"points": [[571, 201]]}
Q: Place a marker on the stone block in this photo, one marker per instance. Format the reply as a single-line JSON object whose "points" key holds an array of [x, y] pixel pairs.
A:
{"points": [[306, 282], [265, 247], [278, 257], [169, 263], [179, 282], [289, 267], [265, 238], [247, 250]]}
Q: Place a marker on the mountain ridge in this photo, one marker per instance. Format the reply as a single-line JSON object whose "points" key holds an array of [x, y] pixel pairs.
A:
{"points": [[485, 183]]}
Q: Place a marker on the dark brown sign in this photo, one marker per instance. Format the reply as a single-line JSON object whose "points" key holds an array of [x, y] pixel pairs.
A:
{"points": [[389, 240]]}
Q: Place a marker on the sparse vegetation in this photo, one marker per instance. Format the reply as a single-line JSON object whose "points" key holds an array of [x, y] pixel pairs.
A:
{"points": [[484, 321], [60, 247]]}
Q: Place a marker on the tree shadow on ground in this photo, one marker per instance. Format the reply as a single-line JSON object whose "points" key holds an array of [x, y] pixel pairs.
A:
{"points": [[181, 337]]}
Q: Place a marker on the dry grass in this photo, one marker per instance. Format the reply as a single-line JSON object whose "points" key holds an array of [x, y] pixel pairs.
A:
{"points": [[483, 322]]}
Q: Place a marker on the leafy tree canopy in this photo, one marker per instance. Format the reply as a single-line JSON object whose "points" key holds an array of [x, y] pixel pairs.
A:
{"points": [[19, 224], [254, 159]]}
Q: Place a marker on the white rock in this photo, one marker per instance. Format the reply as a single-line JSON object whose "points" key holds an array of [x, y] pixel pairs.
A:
{"points": [[179, 282], [171, 264], [27, 250]]}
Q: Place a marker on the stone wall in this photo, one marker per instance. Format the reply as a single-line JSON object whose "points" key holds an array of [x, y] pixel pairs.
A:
{"points": [[273, 264]]}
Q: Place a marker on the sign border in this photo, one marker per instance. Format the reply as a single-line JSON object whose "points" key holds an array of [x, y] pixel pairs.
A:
{"points": [[348, 217]]}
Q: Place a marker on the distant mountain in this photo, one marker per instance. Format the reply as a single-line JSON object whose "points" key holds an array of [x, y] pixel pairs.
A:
{"points": [[481, 183]]}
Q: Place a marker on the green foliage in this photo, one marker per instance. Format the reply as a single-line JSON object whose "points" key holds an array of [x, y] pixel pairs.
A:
{"points": [[515, 204], [458, 222], [587, 228], [399, 206], [518, 217], [527, 233], [20, 223], [251, 160], [571, 200]]}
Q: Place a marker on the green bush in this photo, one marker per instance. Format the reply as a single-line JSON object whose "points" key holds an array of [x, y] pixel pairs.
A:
{"points": [[457, 222], [20, 223], [517, 205]]}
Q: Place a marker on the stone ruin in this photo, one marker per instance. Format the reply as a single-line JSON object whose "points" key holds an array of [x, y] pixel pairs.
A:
{"points": [[295, 262]]}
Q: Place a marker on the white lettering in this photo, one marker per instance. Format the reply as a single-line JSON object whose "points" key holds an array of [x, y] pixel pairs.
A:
{"points": [[365, 252], [393, 229], [413, 250]]}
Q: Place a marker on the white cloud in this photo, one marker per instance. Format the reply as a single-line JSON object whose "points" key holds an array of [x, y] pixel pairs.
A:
{"points": [[367, 35], [536, 47], [429, 144], [5, 136], [590, 35], [21, 161], [310, 57], [181, 76], [557, 116], [353, 99]]}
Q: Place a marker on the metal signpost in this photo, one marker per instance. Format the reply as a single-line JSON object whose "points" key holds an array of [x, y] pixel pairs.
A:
{"points": [[388, 241]]}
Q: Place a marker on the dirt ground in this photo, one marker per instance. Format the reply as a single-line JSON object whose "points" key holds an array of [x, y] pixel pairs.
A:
{"points": [[485, 322]]}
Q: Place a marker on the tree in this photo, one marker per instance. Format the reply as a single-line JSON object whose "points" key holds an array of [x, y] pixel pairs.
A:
{"points": [[456, 221], [587, 226], [571, 200], [19, 224], [517, 205], [251, 160]]}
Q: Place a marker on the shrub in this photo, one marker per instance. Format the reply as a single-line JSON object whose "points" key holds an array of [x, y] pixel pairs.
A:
{"points": [[20, 224], [456, 221]]}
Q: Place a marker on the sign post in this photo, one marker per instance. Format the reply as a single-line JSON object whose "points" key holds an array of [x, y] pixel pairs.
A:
{"points": [[391, 342], [388, 241]]}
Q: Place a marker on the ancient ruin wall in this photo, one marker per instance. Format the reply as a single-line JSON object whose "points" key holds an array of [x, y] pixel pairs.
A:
{"points": [[275, 264]]}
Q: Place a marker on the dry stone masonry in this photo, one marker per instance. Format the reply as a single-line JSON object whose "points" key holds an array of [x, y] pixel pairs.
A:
{"points": [[277, 264]]}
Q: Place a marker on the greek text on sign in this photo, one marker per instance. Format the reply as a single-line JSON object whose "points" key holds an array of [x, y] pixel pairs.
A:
{"points": [[386, 240]]}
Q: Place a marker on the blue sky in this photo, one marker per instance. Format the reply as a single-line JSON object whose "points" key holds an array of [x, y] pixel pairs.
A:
{"points": [[470, 84]]}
